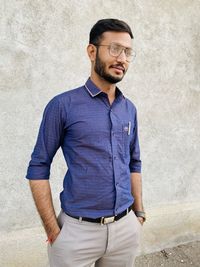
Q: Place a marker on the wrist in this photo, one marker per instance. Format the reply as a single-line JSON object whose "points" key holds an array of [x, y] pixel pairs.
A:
{"points": [[140, 214], [51, 232], [51, 237]]}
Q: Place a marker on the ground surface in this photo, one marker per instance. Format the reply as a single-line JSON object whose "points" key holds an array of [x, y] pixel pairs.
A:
{"points": [[180, 256]]}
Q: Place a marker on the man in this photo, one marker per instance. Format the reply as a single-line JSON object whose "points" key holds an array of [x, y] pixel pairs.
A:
{"points": [[96, 127]]}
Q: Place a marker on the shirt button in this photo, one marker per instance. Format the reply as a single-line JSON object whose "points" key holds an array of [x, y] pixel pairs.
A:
{"points": [[113, 133], [115, 158]]}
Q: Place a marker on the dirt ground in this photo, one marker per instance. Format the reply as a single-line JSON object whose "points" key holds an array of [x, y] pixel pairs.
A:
{"points": [[180, 256]]}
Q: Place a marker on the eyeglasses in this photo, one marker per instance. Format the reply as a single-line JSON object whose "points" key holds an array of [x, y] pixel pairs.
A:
{"points": [[115, 50]]}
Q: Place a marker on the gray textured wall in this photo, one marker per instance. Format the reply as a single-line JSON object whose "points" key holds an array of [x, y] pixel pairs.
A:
{"points": [[43, 53]]}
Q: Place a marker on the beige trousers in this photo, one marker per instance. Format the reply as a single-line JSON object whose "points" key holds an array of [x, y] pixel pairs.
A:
{"points": [[82, 244]]}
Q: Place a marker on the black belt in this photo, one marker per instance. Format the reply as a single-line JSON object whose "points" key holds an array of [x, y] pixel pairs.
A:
{"points": [[104, 220]]}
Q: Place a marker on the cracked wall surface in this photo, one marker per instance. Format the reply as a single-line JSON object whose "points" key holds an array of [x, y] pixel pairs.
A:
{"points": [[43, 53]]}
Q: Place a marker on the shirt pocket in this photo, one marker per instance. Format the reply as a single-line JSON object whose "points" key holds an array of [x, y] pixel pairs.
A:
{"points": [[126, 137]]}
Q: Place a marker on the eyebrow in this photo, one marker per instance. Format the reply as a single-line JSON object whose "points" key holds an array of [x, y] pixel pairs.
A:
{"points": [[121, 45]]}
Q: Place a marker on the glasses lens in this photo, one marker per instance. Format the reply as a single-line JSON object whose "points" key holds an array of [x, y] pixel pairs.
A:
{"points": [[130, 54], [116, 50]]}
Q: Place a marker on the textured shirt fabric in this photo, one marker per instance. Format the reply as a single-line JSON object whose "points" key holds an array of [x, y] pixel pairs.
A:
{"points": [[100, 146]]}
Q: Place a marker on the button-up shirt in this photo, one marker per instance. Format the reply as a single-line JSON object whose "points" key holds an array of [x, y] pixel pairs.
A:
{"points": [[100, 146]]}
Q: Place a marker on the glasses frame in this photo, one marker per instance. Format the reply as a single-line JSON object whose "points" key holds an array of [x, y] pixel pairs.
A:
{"points": [[123, 48]]}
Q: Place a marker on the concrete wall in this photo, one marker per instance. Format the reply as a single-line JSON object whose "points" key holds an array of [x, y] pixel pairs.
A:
{"points": [[43, 53]]}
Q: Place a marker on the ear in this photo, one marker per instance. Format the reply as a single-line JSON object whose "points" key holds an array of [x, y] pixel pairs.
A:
{"points": [[91, 50]]}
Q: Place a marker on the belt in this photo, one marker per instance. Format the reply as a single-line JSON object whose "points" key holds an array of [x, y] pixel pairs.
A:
{"points": [[104, 220]]}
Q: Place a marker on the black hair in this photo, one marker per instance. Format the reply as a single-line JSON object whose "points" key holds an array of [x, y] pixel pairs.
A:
{"points": [[106, 25]]}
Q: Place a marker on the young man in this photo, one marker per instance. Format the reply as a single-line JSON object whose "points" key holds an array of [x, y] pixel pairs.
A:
{"points": [[96, 127]]}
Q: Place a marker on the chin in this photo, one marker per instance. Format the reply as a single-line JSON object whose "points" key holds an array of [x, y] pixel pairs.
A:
{"points": [[113, 79]]}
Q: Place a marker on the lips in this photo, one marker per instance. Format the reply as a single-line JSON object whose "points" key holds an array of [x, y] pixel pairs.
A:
{"points": [[118, 68]]}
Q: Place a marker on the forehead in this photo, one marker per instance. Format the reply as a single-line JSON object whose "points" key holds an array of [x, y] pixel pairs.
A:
{"points": [[122, 38]]}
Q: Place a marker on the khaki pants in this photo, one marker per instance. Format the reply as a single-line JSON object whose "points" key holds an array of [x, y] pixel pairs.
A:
{"points": [[82, 244]]}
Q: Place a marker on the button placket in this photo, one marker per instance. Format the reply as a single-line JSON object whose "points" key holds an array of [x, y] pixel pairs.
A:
{"points": [[115, 131]]}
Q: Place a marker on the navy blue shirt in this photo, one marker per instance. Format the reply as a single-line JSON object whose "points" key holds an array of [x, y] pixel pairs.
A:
{"points": [[100, 145]]}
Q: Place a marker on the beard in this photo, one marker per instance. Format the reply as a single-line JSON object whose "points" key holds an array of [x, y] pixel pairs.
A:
{"points": [[100, 69]]}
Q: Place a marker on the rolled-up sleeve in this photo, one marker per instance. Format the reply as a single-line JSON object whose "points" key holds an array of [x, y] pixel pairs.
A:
{"points": [[48, 141], [135, 162]]}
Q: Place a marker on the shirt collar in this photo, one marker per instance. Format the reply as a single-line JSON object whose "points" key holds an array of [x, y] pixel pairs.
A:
{"points": [[93, 90]]}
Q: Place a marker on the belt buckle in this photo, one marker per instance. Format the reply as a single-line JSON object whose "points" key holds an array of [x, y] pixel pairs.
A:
{"points": [[106, 220]]}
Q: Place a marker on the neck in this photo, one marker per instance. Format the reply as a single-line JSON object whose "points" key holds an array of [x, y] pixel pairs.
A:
{"points": [[103, 85]]}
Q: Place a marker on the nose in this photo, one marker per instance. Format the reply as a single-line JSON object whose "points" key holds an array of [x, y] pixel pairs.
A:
{"points": [[122, 57]]}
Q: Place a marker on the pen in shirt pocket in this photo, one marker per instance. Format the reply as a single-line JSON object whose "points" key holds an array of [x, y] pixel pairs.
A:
{"points": [[129, 127]]}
